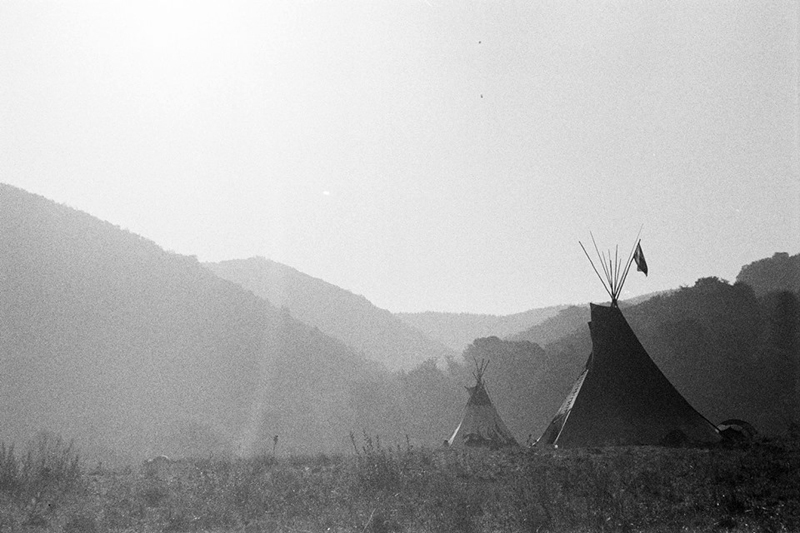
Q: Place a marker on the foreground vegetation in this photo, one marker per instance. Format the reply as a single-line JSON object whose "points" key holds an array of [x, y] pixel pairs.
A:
{"points": [[748, 488]]}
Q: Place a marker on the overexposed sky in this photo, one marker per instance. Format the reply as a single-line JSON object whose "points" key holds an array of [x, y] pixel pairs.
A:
{"points": [[428, 155]]}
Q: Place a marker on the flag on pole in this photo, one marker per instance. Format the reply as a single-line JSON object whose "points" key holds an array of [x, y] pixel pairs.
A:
{"points": [[638, 256]]}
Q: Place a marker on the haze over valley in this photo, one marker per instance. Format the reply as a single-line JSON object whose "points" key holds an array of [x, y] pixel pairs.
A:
{"points": [[135, 351], [412, 265], [227, 222]]}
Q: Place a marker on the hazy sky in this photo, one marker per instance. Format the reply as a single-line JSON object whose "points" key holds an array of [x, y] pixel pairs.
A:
{"points": [[429, 155]]}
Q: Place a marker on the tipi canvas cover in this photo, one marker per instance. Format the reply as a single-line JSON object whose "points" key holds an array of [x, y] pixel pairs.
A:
{"points": [[481, 425], [622, 398]]}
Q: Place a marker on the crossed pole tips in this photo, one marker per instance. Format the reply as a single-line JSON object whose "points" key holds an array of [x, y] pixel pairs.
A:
{"points": [[615, 272]]}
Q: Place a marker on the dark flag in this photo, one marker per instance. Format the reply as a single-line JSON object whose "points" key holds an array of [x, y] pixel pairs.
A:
{"points": [[638, 256]]}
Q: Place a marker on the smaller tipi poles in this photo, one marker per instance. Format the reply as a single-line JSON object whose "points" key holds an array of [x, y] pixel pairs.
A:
{"points": [[481, 424]]}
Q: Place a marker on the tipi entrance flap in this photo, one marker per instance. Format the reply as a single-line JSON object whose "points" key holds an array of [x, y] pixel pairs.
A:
{"points": [[553, 431]]}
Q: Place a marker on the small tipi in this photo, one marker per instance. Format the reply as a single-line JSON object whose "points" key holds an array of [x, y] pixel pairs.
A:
{"points": [[481, 425], [621, 397]]}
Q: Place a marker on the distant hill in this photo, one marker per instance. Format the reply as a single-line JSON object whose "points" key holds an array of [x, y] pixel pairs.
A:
{"points": [[720, 346], [134, 351], [568, 319], [781, 272], [458, 330], [564, 323], [337, 312], [109, 339]]}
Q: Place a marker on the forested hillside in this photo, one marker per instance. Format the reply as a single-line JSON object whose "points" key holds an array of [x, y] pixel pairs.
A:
{"points": [[377, 333], [730, 353], [781, 272], [566, 322], [107, 338]]}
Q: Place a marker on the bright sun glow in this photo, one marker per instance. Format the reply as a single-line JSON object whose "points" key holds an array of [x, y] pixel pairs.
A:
{"points": [[179, 50], [177, 31]]}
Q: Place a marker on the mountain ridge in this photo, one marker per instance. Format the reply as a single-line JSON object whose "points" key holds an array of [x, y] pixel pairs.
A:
{"points": [[458, 330], [110, 339], [106, 337], [352, 318]]}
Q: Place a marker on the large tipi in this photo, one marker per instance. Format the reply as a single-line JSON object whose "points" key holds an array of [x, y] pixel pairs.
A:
{"points": [[481, 425], [621, 397]]}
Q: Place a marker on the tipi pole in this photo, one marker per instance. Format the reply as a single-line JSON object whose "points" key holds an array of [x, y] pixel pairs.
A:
{"points": [[602, 260], [594, 267], [612, 267]]}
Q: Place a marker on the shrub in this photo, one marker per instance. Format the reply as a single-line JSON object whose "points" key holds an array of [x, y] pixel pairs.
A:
{"points": [[9, 470], [377, 469], [37, 481], [49, 468], [154, 494]]}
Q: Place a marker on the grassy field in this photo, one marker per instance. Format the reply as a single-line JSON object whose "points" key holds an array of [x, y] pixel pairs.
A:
{"points": [[748, 488]]}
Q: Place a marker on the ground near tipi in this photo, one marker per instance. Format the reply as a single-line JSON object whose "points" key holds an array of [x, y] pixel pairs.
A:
{"points": [[753, 487]]}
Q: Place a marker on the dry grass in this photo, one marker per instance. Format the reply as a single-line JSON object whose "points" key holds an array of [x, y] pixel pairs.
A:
{"points": [[392, 490], [37, 482]]}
